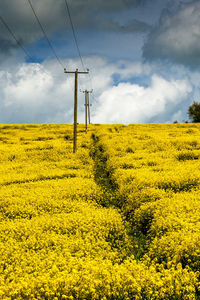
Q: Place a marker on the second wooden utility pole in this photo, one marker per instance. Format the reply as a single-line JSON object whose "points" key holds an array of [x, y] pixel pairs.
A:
{"points": [[87, 107], [88, 104], [75, 105]]}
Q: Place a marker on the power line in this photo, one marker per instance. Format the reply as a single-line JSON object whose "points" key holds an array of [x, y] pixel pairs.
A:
{"points": [[90, 78], [14, 37], [74, 34], [18, 42], [76, 41], [91, 83], [42, 29]]}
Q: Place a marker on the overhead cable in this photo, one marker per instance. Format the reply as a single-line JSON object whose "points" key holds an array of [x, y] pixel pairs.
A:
{"points": [[42, 29], [76, 41], [74, 33], [14, 37], [21, 46]]}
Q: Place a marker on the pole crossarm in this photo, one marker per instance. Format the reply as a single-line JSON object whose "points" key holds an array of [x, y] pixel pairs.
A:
{"points": [[73, 72]]}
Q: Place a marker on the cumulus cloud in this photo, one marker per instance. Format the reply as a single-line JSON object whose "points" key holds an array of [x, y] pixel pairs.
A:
{"points": [[177, 36], [128, 70], [40, 93], [35, 93], [132, 103]]}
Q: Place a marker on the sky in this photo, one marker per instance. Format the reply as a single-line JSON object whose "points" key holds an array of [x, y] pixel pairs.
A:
{"points": [[143, 57]]}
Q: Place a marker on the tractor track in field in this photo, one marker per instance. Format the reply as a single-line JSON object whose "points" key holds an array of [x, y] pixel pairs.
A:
{"points": [[102, 173], [103, 176]]}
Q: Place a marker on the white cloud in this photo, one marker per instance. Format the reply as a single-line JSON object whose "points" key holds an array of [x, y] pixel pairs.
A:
{"points": [[129, 69], [30, 84], [131, 103], [34, 94]]}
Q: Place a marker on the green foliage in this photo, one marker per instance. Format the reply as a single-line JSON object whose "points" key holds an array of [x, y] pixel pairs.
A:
{"points": [[194, 112]]}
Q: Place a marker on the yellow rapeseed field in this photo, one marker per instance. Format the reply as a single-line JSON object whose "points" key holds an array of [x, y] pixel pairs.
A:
{"points": [[117, 220]]}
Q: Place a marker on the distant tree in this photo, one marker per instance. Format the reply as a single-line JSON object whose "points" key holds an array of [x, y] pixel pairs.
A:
{"points": [[194, 112]]}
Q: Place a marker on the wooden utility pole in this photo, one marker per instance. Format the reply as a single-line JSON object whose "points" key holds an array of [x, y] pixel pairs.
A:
{"points": [[75, 105], [89, 105], [86, 103], [87, 109]]}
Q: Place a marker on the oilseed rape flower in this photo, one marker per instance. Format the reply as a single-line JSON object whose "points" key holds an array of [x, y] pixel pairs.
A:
{"points": [[117, 220]]}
